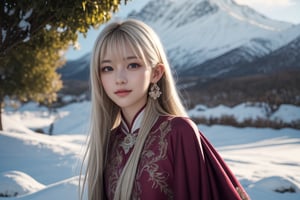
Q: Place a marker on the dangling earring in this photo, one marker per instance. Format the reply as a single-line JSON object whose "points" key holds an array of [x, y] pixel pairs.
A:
{"points": [[154, 91]]}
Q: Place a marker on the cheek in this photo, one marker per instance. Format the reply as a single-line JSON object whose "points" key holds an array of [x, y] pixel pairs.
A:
{"points": [[144, 82], [105, 83]]}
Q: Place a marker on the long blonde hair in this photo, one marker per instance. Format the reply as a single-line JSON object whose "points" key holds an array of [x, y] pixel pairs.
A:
{"points": [[105, 114]]}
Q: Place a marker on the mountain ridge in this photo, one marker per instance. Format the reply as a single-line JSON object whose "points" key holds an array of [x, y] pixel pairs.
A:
{"points": [[212, 39]]}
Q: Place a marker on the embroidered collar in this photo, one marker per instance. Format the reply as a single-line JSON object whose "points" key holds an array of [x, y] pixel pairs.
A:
{"points": [[135, 124], [131, 132]]}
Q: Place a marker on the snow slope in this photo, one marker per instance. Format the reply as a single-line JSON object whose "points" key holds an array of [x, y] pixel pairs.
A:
{"points": [[43, 167]]}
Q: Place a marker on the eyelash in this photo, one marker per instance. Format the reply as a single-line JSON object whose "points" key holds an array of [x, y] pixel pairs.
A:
{"points": [[130, 66], [133, 65], [106, 69]]}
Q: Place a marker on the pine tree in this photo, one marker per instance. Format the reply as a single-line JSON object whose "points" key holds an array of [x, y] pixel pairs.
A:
{"points": [[33, 37]]}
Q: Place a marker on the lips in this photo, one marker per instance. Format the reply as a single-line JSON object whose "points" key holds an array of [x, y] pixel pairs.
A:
{"points": [[122, 93]]}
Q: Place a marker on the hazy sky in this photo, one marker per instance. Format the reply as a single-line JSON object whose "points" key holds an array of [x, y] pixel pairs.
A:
{"points": [[284, 10]]}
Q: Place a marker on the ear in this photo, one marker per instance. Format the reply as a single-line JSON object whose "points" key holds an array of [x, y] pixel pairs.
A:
{"points": [[157, 72]]}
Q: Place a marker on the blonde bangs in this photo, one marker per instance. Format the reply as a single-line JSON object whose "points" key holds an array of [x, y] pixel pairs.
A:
{"points": [[116, 45]]}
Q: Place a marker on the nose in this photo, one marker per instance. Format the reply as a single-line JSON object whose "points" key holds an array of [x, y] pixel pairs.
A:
{"points": [[121, 77]]}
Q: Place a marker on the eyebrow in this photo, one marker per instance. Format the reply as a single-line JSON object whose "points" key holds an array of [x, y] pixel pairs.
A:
{"points": [[105, 61], [128, 58], [131, 57]]}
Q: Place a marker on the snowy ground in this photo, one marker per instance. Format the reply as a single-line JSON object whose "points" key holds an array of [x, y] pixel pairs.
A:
{"points": [[43, 167]]}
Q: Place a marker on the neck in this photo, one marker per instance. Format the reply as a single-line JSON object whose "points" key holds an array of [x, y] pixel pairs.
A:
{"points": [[129, 115]]}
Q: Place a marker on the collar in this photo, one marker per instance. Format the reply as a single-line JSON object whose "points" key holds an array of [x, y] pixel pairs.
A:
{"points": [[136, 122]]}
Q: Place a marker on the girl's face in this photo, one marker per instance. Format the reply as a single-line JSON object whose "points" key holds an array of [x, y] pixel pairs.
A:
{"points": [[125, 80]]}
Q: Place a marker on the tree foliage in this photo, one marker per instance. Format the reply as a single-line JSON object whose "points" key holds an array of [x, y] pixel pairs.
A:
{"points": [[29, 70], [33, 37], [20, 20]]}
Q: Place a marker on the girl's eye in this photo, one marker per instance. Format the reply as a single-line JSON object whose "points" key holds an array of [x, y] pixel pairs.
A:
{"points": [[106, 69], [133, 66]]}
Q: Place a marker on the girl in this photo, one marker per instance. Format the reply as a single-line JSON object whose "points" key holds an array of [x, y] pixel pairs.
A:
{"points": [[142, 145]]}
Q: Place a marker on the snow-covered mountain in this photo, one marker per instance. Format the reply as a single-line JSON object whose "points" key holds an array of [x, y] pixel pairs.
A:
{"points": [[212, 37], [246, 61], [194, 31]]}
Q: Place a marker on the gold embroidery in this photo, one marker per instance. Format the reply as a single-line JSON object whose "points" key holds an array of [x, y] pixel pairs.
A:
{"points": [[128, 142], [150, 158], [155, 150]]}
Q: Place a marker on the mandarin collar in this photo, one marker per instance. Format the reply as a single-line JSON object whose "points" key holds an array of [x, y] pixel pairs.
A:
{"points": [[136, 122]]}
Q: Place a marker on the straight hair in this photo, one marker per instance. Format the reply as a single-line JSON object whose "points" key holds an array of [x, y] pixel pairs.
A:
{"points": [[106, 115]]}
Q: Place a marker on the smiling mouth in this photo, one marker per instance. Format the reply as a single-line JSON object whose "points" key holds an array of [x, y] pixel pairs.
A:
{"points": [[122, 92]]}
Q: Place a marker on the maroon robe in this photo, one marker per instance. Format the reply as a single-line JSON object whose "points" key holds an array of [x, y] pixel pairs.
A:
{"points": [[177, 162]]}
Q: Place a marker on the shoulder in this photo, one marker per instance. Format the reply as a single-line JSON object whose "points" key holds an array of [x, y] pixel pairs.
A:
{"points": [[179, 126], [183, 124], [184, 138]]}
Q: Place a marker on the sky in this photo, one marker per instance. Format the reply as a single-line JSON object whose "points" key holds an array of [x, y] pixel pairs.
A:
{"points": [[283, 10]]}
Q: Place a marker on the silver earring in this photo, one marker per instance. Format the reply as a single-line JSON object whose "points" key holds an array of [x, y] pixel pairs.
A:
{"points": [[154, 91]]}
